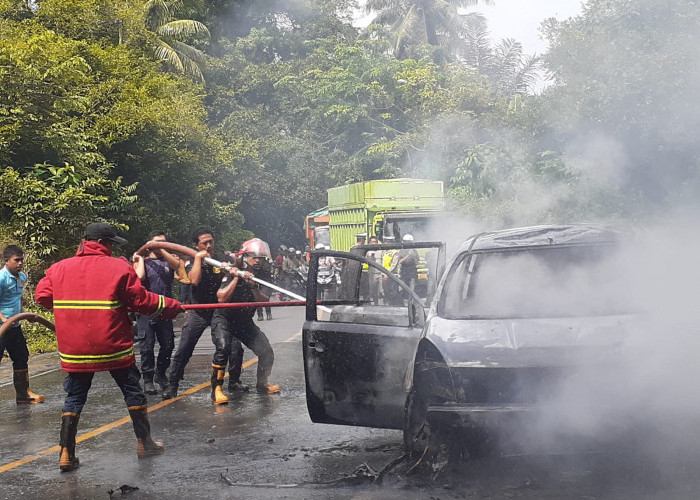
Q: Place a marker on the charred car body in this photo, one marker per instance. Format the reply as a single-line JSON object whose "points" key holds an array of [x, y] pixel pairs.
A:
{"points": [[514, 315]]}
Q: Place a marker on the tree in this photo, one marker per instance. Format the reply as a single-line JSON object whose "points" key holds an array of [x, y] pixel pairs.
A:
{"points": [[437, 23], [624, 95], [101, 113], [47, 207], [174, 44]]}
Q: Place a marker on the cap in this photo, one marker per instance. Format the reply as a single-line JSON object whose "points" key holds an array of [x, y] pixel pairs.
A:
{"points": [[102, 231]]}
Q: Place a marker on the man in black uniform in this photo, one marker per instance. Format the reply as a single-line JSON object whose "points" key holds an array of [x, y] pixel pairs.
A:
{"points": [[205, 280], [229, 325]]}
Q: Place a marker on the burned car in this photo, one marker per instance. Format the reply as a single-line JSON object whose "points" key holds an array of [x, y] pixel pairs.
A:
{"points": [[513, 313]]}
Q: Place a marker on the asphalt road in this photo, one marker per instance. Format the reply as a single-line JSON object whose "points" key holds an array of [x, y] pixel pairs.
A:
{"points": [[266, 447]]}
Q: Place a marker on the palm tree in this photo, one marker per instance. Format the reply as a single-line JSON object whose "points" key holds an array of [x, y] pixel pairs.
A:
{"points": [[416, 22], [174, 37], [513, 71], [510, 70]]}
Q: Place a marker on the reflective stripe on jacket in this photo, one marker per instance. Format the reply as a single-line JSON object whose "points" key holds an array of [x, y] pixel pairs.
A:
{"points": [[91, 295]]}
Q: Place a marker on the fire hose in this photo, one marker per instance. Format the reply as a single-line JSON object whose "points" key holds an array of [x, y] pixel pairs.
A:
{"points": [[26, 316], [166, 245], [35, 318]]}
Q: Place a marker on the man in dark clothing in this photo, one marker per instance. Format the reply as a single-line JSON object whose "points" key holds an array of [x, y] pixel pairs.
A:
{"points": [[231, 324], [206, 281], [156, 273]]}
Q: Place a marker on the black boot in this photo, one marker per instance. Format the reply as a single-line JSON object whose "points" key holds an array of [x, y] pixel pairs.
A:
{"points": [[20, 378], [171, 391], [161, 380], [148, 385], [69, 428], [146, 446], [236, 386], [269, 315], [260, 314]]}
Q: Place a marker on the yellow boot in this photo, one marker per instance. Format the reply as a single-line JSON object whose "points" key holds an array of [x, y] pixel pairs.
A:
{"points": [[217, 381]]}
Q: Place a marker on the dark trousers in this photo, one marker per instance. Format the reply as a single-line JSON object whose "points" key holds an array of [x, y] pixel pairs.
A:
{"points": [[13, 341], [150, 330], [77, 386], [197, 321], [227, 336]]}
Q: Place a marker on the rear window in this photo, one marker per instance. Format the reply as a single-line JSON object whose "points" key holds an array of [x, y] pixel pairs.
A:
{"points": [[540, 282]]}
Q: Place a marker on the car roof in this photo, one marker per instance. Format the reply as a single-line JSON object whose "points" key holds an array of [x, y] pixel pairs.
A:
{"points": [[545, 235]]}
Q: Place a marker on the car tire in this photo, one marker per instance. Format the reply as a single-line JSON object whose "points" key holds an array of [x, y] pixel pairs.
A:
{"points": [[416, 430]]}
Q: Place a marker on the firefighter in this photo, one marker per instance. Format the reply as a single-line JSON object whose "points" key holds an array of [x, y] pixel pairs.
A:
{"points": [[230, 324], [91, 295]]}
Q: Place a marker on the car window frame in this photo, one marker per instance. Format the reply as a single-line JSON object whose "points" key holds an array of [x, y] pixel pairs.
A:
{"points": [[312, 285], [472, 255]]}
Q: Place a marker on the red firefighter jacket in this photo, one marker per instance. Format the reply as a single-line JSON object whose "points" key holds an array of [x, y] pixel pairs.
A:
{"points": [[91, 295]]}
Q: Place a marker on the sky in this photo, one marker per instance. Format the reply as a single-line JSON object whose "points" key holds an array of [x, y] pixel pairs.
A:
{"points": [[521, 20]]}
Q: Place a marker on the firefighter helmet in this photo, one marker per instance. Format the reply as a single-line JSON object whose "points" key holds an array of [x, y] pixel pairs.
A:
{"points": [[255, 248]]}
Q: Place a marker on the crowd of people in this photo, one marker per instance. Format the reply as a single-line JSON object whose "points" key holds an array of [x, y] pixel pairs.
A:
{"points": [[93, 296]]}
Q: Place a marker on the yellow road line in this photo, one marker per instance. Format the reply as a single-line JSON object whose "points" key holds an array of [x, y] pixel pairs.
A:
{"points": [[124, 420]]}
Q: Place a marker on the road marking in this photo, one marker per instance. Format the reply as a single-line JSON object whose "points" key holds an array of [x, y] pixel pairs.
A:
{"points": [[124, 420]]}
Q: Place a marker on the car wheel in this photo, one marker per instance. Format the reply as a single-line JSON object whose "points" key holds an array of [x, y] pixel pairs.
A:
{"points": [[416, 430]]}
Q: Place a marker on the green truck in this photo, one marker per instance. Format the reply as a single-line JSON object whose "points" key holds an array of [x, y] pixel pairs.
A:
{"points": [[388, 209]]}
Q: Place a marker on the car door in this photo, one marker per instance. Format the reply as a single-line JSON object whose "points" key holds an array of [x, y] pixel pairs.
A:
{"points": [[358, 344]]}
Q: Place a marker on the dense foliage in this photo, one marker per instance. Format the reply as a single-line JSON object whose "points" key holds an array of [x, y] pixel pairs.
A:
{"points": [[239, 114]]}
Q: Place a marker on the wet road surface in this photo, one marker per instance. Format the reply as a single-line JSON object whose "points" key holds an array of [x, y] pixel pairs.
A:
{"points": [[266, 447]]}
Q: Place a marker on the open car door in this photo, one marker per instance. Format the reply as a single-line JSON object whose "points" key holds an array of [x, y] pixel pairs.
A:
{"points": [[362, 328]]}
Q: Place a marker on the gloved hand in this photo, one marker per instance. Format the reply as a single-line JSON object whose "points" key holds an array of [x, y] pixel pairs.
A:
{"points": [[172, 309]]}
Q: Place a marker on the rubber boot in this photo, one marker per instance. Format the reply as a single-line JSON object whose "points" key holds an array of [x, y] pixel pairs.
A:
{"points": [[24, 395], [69, 428], [217, 381], [148, 385], [171, 391], [266, 388], [146, 446], [236, 386], [162, 381]]}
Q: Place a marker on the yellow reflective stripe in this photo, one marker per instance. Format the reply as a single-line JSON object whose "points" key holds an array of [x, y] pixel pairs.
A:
{"points": [[161, 305], [87, 304], [96, 358]]}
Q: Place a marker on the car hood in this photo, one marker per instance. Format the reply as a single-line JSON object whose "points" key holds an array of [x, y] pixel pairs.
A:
{"points": [[528, 341]]}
